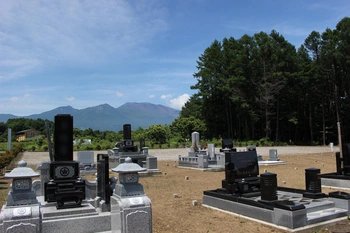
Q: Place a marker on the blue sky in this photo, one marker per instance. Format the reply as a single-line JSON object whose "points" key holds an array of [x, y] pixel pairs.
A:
{"points": [[86, 53]]}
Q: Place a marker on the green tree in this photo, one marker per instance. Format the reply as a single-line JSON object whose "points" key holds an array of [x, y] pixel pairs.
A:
{"points": [[158, 133], [185, 126]]}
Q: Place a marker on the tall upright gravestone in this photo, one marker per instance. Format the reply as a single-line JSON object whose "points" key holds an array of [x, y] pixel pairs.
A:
{"points": [[65, 187]]}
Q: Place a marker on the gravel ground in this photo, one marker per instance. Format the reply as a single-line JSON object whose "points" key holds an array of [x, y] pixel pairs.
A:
{"points": [[35, 158]]}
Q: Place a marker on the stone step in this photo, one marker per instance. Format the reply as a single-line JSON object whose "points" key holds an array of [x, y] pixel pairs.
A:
{"points": [[325, 215], [318, 206], [51, 212]]}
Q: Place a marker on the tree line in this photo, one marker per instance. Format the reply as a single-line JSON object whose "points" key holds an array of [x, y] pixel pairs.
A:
{"points": [[174, 135], [262, 87]]}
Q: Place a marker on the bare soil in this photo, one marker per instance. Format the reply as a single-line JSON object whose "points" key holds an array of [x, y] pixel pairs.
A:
{"points": [[178, 214]]}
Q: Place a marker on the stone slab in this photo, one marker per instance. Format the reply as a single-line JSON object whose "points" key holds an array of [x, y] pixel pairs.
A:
{"points": [[270, 163], [335, 183], [83, 224], [317, 213], [77, 220]]}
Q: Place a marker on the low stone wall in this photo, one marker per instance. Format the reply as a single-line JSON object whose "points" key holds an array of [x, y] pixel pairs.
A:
{"points": [[188, 161]]}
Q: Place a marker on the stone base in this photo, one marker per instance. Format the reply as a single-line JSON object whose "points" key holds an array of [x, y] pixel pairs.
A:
{"points": [[79, 219], [310, 214], [336, 183]]}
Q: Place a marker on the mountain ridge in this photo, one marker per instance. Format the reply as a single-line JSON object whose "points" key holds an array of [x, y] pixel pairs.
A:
{"points": [[105, 117]]}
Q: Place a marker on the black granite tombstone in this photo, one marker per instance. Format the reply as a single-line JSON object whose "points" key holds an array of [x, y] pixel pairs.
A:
{"points": [[241, 172], [65, 187], [103, 187], [63, 138], [127, 131], [142, 143], [227, 143], [127, 144]]}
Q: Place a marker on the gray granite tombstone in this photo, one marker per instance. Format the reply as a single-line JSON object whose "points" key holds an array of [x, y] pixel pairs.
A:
{"points": [[195, 142], [273, 155], [86, 159], [251, 147], [211, 151]]}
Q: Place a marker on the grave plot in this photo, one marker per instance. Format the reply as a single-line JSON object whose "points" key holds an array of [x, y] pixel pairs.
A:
{"points": [[207, 159], [62, 201], [127, 148], [245, 193]]}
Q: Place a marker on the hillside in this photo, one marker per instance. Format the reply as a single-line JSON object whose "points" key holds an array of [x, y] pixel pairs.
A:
{"points": [[105, 117]]}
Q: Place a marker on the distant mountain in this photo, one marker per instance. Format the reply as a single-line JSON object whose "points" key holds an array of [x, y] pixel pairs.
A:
{"points": [[105, 117]]}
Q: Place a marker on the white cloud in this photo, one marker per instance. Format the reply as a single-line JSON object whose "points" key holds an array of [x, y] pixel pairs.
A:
{"points": [[165, 97], [70, 99], [50, 32], [14, 99], [179, 102], [119, 94], [151, 96]]}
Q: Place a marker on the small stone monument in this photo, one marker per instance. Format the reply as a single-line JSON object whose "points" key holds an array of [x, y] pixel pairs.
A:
{"points": [[131, 209], [273, 155], [86, 160]]}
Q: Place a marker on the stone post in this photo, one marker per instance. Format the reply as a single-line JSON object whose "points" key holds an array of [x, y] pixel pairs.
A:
{"points": [[9, 136], [44, 168]]}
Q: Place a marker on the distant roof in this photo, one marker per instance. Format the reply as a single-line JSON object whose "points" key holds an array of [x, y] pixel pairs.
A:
{"points": [[27, 130]]}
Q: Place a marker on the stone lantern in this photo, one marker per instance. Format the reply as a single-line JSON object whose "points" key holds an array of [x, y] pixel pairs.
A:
{"points": [[21, 192], [130, 208], [21, 213]]}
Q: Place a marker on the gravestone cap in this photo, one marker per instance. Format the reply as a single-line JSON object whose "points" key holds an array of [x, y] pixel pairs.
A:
{"points": [[268, 174], [128, 167], [21, 171]]}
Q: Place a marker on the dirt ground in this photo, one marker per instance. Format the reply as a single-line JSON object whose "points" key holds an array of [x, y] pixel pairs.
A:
{"points": [[178, 214]]}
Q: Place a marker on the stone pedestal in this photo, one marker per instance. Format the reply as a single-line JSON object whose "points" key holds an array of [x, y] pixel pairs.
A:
{"points": [[203, 161], [131, 214], [151, 162], [21, 219]]}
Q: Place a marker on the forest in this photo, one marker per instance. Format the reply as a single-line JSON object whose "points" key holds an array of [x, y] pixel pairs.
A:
{"points": [[261, 87]]}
